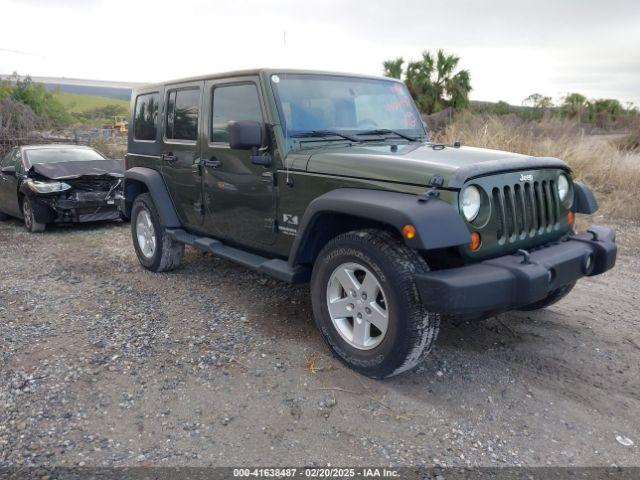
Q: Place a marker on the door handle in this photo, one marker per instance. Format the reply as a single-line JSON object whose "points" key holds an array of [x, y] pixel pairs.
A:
{"points": [[169, 157], [212, 162], [267, 177]]}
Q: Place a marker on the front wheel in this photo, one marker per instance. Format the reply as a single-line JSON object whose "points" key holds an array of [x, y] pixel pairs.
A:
{"points": [[156, 251], [30, 222], [366, 304]]}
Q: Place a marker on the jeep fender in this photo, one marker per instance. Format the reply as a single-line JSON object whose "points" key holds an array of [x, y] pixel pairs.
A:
{"points": [[157, 189], [437, 223]]}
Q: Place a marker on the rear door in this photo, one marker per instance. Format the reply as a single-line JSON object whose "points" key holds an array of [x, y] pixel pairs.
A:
{"points": [[180, 150], [239, 197]]}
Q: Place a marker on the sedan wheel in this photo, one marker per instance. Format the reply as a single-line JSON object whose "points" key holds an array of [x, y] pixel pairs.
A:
{"points": [[28, 214], [30, 222]]}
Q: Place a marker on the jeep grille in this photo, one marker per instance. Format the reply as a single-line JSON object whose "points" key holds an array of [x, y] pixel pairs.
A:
{"points": [[525, 209]]}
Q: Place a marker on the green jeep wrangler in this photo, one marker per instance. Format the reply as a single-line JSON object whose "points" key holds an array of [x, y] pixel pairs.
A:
{"points": [[331, 179]]}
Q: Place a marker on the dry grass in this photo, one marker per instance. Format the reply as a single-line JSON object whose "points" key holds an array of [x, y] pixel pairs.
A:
{"points": [[598, 160]]}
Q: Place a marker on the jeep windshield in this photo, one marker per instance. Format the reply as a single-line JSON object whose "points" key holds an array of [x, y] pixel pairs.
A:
{"points": [[332, 107]]}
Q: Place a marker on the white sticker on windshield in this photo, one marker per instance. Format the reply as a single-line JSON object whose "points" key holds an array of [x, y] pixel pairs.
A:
{"points": [[275, 78]]}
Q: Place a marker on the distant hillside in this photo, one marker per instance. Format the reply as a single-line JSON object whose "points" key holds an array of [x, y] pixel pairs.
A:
{"points": [[105, 92], [78, 103], [99, 88]]}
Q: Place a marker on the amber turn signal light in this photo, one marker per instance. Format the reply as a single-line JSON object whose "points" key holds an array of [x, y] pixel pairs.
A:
{"points": [[476, 240], [408, 231], [570, 217]]}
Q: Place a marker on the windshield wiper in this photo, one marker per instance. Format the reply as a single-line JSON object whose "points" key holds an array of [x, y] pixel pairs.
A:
{"points": [[325, 133], [386, 131]]}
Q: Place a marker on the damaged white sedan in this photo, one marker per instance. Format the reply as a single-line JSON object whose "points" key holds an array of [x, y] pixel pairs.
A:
{"points": [[59, 184]]}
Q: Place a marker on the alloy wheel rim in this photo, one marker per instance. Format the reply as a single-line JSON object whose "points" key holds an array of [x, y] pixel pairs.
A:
{"points": [[146, 234], [26, 212], [357, 306]]}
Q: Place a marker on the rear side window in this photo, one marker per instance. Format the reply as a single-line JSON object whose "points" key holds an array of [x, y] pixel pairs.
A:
{"points": [[233, 103], [146, 117], [182, 114]]}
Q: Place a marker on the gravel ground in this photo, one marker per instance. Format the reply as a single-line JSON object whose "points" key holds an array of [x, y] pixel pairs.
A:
{"points": [[105, 364]]}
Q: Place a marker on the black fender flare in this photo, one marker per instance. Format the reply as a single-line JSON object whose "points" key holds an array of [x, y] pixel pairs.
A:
{"points": [[438, 224], [584, 200], [157, 189]]}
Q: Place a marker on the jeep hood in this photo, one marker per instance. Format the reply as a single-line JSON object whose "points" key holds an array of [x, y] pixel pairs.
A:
{"points": [[416, 164]]}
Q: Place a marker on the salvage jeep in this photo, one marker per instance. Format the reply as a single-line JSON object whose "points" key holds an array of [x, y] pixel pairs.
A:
{"points": [[59, 184], [331, 179]]}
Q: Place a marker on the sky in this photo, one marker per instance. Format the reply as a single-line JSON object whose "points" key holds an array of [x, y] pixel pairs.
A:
{"points": [[511, 48]]}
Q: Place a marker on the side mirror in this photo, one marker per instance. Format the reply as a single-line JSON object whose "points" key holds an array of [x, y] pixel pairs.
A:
{"points": [[9, 170], [245, 135]]}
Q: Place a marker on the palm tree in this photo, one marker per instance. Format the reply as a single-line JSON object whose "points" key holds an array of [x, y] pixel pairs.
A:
{"points": [[393, 68], [433, 81]]}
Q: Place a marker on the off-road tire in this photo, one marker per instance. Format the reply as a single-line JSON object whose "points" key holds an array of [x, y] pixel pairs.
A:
{"points": [[168, 253], [412, 329], [29, 218], [553, 297]]}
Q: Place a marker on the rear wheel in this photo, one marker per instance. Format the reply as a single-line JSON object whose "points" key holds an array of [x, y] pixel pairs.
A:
{"points": [[30, 222], [553, 297], [156, 251], [366, 304]]}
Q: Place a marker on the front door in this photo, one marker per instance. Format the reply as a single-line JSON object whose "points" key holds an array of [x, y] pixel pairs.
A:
{"points": [[9, 184], [238, 196], [180, 148]]}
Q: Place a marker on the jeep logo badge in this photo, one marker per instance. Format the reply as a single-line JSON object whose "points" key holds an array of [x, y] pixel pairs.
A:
{"points": [[526, 178]]}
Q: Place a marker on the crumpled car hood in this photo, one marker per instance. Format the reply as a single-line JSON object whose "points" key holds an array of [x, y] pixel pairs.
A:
{"points": [[71, 170]]}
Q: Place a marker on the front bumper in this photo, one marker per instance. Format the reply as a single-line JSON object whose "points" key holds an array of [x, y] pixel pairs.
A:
{"points": [[79, 208], [514, 281]]}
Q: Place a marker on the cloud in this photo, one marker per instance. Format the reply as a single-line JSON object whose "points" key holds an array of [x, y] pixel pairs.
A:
{"points": [[511, 48]]}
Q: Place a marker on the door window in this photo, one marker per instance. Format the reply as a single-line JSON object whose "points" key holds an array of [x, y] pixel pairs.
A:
{"points": [[146, 117], [8, 158], [233, 103], [182, 114]]}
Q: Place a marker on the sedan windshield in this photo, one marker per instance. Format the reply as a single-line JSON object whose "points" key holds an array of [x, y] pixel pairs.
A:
{"points": [[53, 155], [319, 105]]}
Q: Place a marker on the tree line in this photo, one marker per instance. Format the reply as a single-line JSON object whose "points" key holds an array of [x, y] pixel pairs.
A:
{"points": [[436, 83]]}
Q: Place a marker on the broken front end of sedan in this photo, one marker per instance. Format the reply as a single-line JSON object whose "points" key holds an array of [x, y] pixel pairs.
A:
{"points": [[70, 187], [86, 195]]}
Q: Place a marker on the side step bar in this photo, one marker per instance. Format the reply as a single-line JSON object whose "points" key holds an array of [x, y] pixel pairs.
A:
{"points": [[275, 267]]}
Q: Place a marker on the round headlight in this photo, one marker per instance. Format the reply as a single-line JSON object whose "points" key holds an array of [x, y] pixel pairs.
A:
{"points": [[563, 187], [470, 203]]}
